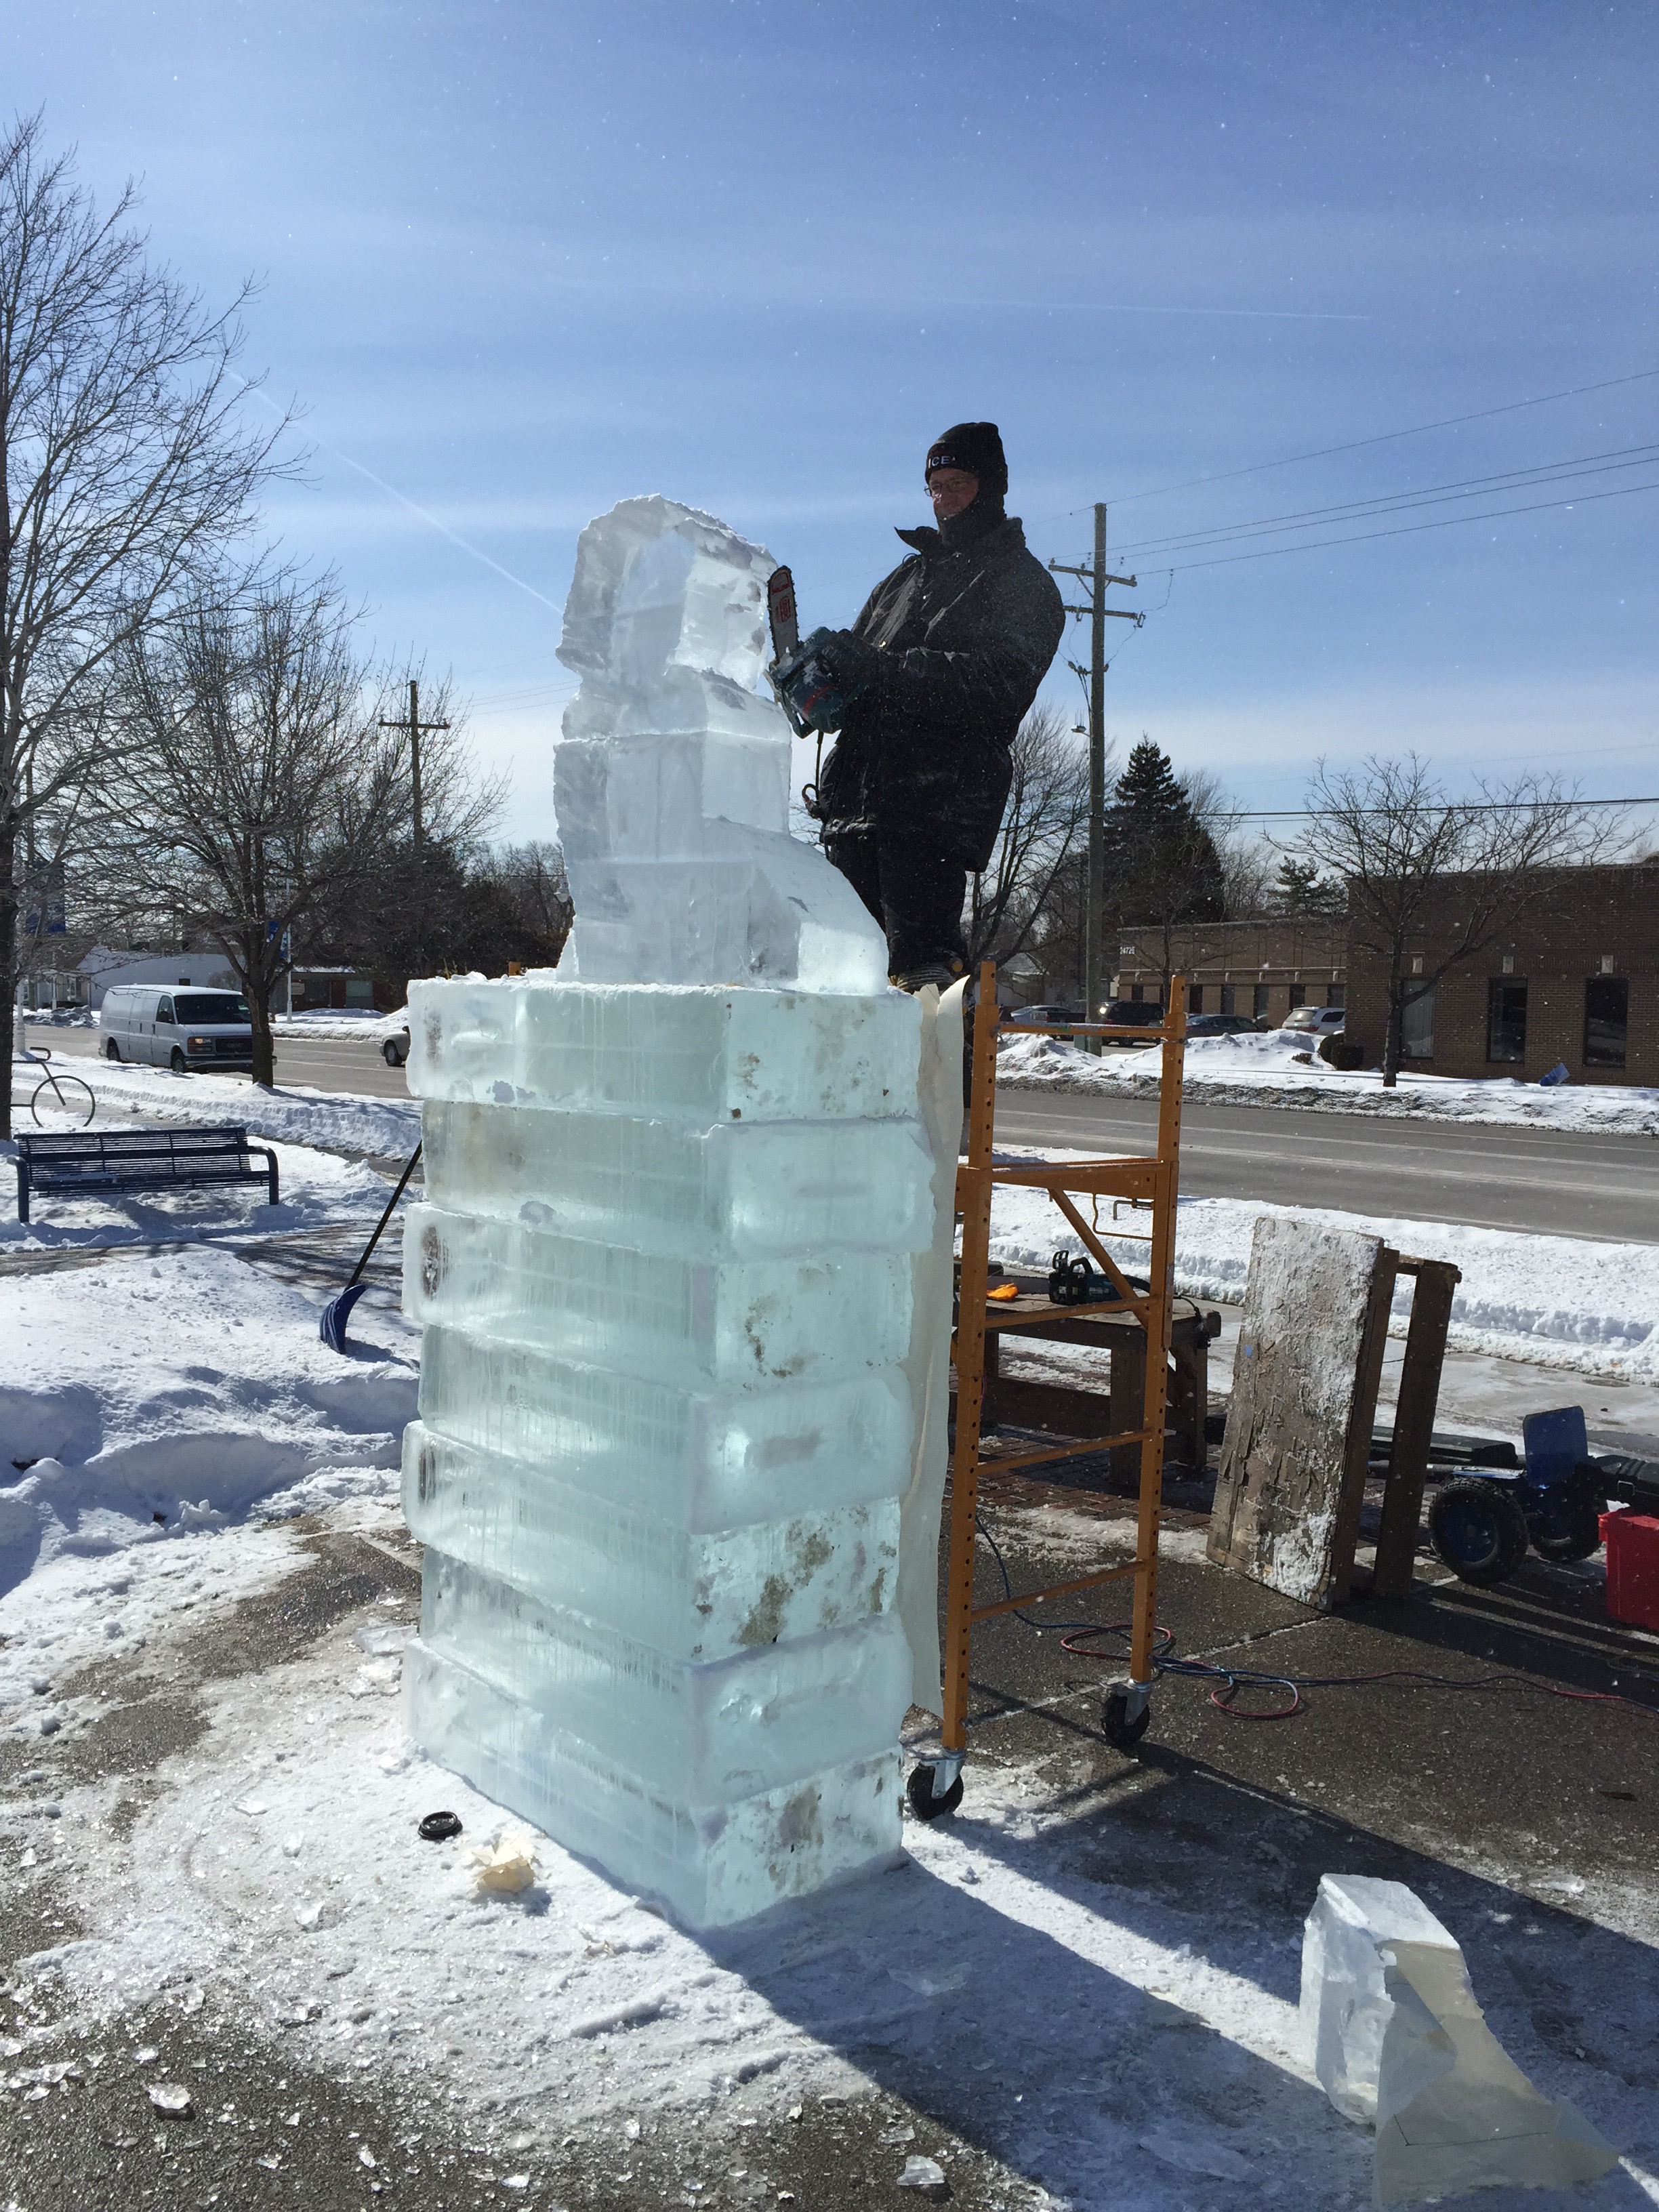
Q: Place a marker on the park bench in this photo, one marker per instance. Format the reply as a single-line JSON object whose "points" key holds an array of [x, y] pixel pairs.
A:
{"points": [[89, 1165]]}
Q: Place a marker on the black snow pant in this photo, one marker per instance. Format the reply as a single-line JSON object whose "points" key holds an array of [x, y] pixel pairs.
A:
{"points": [[914, 892]]}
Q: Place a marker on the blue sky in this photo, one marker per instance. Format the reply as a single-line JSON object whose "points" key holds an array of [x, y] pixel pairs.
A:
{"points": [[523, 258]]}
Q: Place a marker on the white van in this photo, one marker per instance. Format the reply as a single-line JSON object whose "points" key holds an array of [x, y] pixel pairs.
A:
{"points": [[184, 1028]]}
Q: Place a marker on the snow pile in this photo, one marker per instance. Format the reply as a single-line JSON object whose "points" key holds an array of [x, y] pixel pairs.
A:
{"points": [[354, 1026], [383, 1126], [145, 1395], [1266, 1068], [1557, 1301]]}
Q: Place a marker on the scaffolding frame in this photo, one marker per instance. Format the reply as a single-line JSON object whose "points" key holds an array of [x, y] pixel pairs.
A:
{"points": [[1150, 1182]]}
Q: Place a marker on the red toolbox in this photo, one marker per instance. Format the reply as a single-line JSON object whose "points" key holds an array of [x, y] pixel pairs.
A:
{"points": [[1633, 1542]]}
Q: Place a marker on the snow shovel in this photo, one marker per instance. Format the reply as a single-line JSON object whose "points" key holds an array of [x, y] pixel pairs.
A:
{"points": [[338, 1312]]}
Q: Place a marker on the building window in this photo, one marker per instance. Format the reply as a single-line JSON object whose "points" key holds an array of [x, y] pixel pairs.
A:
{"points": [[1334, 995], [1228, 995], [1607, 1020], [1417, 1030], [1137, 994], [1506, 1019], [1259, 1008], [1195, 997], [1298, 995]]}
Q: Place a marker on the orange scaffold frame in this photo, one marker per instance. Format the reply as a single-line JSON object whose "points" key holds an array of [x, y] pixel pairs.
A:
{"points": [[1152, 1181]]}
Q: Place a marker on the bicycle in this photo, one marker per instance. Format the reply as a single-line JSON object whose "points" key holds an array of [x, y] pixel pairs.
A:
{"points": [[72, 1101]]}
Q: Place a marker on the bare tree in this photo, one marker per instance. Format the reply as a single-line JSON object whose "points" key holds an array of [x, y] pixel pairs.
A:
{"points": [[1246, 860], [257, 793], [1044, 825], [532, 879], [1389, 831], [123, 463]]}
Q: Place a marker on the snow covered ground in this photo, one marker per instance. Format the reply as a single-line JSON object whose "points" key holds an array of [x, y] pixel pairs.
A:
{"points": [[297, 1113], [1116, 2045], [1259, 1068]]}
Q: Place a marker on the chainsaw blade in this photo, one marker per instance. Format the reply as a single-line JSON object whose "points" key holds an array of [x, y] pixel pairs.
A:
{"points": [[780, 613]]}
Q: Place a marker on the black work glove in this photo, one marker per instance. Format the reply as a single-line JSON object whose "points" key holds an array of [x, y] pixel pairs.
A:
{"points": [[851, 660]]}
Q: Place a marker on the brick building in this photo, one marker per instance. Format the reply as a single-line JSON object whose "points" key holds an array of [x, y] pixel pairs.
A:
{"points": [[1262, 967], [1578, 982]]}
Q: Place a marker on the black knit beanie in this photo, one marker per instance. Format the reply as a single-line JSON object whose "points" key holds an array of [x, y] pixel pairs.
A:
{"points": [[976, 447]]}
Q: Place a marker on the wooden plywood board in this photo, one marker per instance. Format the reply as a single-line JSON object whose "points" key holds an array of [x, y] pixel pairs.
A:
{"points": [[1304, 1395]]}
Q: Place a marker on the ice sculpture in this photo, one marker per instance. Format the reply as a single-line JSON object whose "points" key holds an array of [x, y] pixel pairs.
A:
{"points": [[664, 1267], [1398, 2040]]}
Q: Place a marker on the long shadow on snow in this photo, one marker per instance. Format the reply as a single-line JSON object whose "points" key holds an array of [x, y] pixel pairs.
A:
{"points": [[1021, 2045]]}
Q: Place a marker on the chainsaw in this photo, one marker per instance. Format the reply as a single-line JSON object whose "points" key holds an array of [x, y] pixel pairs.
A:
{"points": [[811, 694]]}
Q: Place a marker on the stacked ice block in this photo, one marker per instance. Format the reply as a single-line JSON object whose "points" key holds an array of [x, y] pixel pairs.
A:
{"points": [[664, 1273]]}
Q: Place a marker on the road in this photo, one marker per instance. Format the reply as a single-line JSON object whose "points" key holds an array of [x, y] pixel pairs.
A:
{"points": [[1563, 1183], [329, 1063]]}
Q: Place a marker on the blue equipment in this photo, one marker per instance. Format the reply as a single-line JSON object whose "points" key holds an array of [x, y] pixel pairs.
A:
{"points": [[1482, 1525]]}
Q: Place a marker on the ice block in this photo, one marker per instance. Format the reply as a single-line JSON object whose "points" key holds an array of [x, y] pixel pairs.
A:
{"points": [[1398, 2040]]}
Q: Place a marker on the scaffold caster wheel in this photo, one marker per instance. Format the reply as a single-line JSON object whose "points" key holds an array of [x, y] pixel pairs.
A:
{"points": [[923, 1803], [1125, 1722]]}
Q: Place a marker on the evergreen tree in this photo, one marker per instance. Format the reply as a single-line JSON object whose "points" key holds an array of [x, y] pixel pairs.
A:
{"points": [[1299, 890], [1161, 865]]}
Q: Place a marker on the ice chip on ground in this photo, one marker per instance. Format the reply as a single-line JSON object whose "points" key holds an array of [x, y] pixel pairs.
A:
{"points": [[1398, 2040], [924, 2173], [1191, 2154], [171, 2097], [503, 1869]]}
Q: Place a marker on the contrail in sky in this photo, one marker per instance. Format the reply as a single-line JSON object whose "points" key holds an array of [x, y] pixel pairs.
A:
{"points": [[413, 507]]}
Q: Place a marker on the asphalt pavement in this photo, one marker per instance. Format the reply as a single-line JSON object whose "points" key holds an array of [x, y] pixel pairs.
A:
{"points": [[1558, 1182], [328, 1063]]}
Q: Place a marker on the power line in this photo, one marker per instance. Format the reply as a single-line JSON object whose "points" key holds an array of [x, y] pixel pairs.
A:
{"points": [[1583, 464], [1410, 529], [1384, 437], [1449, 806]]}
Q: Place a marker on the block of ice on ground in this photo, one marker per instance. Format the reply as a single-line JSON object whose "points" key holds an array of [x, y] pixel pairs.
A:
{"points": [[696, 1594], [711, 1864], [1398, 2040]]}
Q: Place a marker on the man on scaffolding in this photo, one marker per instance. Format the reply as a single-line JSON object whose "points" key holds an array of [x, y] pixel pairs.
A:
{"points": [[936, 673]]}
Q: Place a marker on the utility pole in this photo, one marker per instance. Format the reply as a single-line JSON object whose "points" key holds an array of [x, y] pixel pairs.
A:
{"points": [[415, 727], [1096, 578]]}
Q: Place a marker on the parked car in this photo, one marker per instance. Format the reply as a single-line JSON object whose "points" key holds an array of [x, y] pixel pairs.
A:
{"points": [[1043, 1016], [1220, 1025], [1315, 1021], [181, 1029], [395, 1051]]}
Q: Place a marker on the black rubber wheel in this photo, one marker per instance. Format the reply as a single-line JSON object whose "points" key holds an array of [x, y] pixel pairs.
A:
{"points": [[111, 1050], [923, 1803], [1478, 1530], [1584, 1537], [1122, 1732], [178, 1063], [392, 1053]]}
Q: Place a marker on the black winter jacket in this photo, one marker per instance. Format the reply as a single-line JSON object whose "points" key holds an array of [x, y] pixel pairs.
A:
{"points": [[965, 639]]}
